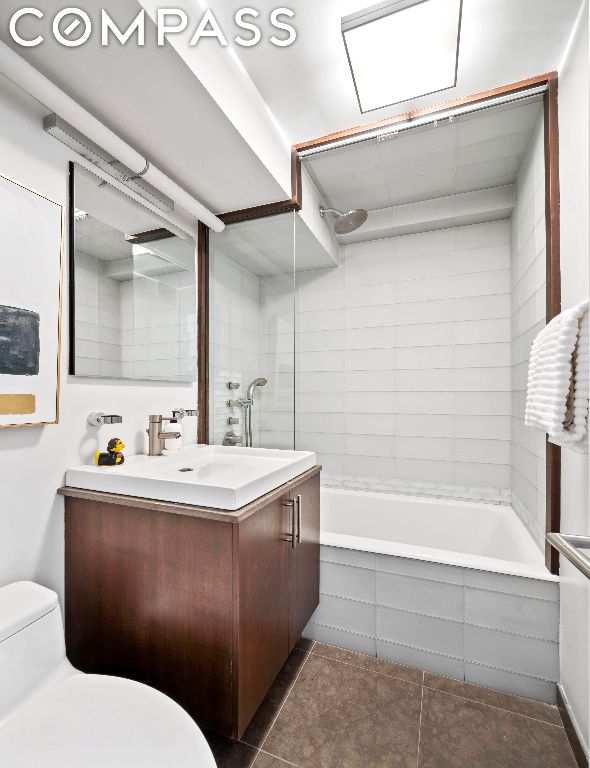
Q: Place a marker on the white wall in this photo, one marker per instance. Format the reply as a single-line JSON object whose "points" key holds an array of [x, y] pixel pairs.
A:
{"points": [[575, 249], [33, 459], [528, 300]]}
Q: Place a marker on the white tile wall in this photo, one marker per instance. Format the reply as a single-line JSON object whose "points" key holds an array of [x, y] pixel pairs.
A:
{"points": [[98, 320], [406, 347], [527, 446], [488, 628], [252, 335]]}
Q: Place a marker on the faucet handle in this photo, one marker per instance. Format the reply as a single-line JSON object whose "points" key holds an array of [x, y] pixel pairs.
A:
{"points": [[97, 418], [180, 413]]}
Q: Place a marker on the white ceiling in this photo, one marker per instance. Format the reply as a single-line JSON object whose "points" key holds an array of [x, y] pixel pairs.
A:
{"points": [[268, 246], [476, 151], [309, 88], [151, 99]]}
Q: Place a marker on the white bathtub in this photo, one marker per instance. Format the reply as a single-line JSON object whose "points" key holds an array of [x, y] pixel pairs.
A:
{"points": [[455, 588], [488, 537]]}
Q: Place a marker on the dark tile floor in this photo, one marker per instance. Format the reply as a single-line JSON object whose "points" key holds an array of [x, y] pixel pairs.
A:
{"points": [[331, 708]]}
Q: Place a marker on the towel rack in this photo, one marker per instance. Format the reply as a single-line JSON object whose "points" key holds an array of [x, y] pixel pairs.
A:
{"points": [[575, 548]]}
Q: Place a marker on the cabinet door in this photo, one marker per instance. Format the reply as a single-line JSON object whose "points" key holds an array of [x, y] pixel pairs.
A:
{"points": [[263, 623], [304, 564]]}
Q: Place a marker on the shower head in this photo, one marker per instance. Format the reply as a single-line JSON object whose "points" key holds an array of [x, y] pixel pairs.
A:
{"points": [[346, 222], [261, 382]]}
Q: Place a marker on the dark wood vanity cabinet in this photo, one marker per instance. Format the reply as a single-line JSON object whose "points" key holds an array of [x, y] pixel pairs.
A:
{"points": [[201, 604]]}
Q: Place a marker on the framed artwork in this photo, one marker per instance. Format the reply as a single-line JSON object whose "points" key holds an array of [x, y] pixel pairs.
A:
{"points": [[31, 262]]}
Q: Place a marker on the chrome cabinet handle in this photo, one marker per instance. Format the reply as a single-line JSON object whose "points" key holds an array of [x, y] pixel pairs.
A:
{"points": [[299, 514], [292, 537]]}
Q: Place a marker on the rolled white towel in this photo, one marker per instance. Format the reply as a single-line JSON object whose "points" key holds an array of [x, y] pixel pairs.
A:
{"points": [[559, 379]]}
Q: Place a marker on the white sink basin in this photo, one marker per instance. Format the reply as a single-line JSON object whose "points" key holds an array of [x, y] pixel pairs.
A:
{"points": [[203, 475]]}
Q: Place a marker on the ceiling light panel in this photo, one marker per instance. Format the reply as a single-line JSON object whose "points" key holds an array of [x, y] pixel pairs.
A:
{"points": [[402, 50]]}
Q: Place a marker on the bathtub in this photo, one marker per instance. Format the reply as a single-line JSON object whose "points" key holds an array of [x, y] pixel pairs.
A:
{"points": [[454, 588]]}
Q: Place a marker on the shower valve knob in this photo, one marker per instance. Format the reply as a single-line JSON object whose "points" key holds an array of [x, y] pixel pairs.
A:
{"points": [[233, 420], [233, 384]]}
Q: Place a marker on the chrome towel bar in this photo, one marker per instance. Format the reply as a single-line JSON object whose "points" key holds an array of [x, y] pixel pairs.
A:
{"points": [[575, 548]]}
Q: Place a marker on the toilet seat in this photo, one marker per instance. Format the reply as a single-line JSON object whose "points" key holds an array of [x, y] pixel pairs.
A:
{"points": [[96, 721]]}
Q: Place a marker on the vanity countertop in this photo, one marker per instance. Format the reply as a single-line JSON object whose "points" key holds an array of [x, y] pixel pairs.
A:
{"points": [[222, 481]]}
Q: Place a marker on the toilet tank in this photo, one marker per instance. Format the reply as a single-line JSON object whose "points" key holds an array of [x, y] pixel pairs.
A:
{"points": [[32, 647]]}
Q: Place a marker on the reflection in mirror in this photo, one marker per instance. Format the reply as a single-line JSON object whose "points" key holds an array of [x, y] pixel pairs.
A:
{"points": [[134, 289]]}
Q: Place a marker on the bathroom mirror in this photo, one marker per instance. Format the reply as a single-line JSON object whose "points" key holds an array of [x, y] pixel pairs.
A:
{"points": [[133, 297]]}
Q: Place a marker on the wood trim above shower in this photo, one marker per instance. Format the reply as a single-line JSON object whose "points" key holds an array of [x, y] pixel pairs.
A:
{"points": [[553, 284], [293, 203], [203, 332], [359, 130]]}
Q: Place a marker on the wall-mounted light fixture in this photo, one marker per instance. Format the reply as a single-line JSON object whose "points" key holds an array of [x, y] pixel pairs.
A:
{"points": [[402, 50]]}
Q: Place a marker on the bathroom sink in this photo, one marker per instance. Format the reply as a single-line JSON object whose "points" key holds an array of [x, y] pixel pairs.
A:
{"points": [[216, 476]]}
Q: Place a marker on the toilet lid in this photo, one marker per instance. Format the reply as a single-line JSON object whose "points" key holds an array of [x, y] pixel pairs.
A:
{"points": [[95, 721]]}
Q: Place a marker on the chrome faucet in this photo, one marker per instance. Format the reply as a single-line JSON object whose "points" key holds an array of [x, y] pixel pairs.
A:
{"points": [[156, 437]]}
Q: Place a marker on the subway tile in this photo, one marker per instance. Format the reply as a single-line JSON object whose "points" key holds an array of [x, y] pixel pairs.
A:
{"points": [[421, 358], [308, 301], [417, 380], [369, 317], [370, 295], [321, 402], [411, 402], [537, 658], [321, 422], [436, 449], [424, 312], [382, 337], [481, 404], [418, 631], [421, 569], [370, 402], [511, 682], [481, 331], [366, 380], [481, 355], [415, 657], [348, 615], [512, 613], [434, 598], [340, 638], [481, 427], [315, 341], [344, 581], [322, 320], [481, 474], [424, 471], [513, 585], [370, 466], [348, 557], [373, 360], [317, 361], [370, 445], [417, 425], [370, 423], [482, 451]]}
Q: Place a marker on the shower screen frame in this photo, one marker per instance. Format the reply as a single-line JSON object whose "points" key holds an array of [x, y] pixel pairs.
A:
{"points": [[547, 84]]}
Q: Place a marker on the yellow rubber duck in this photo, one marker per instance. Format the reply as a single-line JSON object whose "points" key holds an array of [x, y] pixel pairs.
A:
{"points": [[112, 456]]}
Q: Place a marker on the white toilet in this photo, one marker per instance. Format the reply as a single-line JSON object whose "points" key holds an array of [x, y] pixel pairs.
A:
{"points": [[53, 716]]}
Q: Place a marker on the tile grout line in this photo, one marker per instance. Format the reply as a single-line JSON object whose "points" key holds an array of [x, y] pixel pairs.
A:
{"points": [[263, 742], [420, 720], [492, 706], [373, 671], [447, 693]]}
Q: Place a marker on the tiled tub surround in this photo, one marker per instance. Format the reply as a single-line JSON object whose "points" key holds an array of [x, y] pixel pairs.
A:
{"points": [[403, 360], [457, 589], [527, 232]]}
